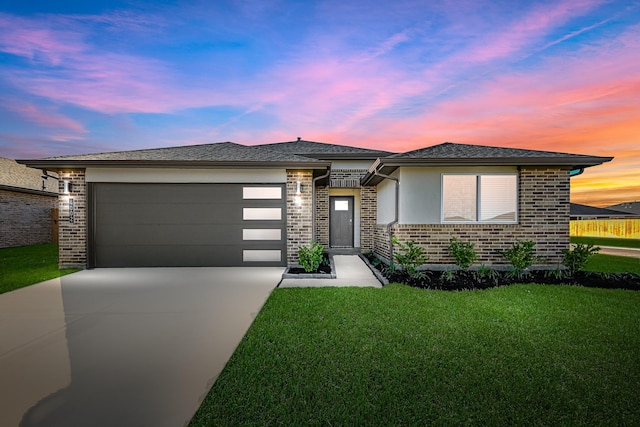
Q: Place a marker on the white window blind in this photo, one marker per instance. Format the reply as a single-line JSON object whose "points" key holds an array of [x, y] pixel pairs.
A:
{"points": [[491, 198], [459, 198], [498, 198]]}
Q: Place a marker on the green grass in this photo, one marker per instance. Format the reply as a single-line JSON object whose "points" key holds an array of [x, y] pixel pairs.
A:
{"points": [[613, 264], [607, 241], [516, 355], [26, 265]]}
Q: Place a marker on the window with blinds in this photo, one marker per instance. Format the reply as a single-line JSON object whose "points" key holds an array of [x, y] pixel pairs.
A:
{"points": [[483, 198]]}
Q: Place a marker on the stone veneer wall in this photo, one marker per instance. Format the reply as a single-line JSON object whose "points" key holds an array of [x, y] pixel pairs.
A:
{"points": [[543, 218], [25, 218], [299, 208], [72, 237]]}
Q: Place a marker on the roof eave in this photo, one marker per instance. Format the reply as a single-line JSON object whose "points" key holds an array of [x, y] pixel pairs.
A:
{"points": [[586, 161], [57, 165], [388, 165]]}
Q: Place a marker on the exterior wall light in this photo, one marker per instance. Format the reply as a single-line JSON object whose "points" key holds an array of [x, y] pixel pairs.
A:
{"points": [[298, 188], [67, 186]]}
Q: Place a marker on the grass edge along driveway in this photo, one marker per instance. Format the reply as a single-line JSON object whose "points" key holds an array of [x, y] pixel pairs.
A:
{"points": [[26, 265], [516, 355]]}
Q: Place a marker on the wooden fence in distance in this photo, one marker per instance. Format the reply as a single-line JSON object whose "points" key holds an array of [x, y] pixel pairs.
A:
{"points": [[620, 228]]}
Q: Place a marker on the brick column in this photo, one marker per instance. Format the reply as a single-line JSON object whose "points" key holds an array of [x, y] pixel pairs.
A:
{"points": [[72, 239], [322, 216], [299, 206]]}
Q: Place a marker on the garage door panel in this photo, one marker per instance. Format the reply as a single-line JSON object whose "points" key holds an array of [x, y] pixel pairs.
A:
{"points": [[185, 225], [176, 234], [175, 193], [170, 214]]}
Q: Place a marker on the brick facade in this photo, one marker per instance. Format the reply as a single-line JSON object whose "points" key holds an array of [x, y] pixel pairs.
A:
{"points": [[73, 221], [299, 217], [543, 218], [368, 217], [322, 216], [347, 178], [25, 218]]}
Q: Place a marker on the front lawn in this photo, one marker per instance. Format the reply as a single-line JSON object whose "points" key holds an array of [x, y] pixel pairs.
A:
{"points": [[613, 264], [26, 265], [516, 355]]}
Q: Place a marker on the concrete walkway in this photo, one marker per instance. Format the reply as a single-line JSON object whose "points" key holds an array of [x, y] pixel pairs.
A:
{"points": [[350, 271], [628, 252]]}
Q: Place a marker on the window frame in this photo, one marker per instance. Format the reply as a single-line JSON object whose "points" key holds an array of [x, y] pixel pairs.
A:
{"points": [[478, 176]]}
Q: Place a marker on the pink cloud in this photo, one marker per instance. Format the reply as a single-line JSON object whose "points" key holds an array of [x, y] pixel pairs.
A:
{"points": [[45, 117]]}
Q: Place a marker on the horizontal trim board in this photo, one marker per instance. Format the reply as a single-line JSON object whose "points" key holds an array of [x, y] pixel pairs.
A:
{"points": [[186, 175]]}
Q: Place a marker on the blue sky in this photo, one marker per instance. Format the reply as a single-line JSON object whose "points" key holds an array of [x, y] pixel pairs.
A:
{"points": [[81, 77]]}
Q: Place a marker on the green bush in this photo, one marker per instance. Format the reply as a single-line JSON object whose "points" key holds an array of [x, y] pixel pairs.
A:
{"points": [[576, 259], [310, 257], [521, 256], [463, 253], [409, 256]]}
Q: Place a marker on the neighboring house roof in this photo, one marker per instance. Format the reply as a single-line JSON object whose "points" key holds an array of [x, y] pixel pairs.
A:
{"points": [[452, 154], [218, 154], [323, 150], [16, 177], [578, 210], [628, 207]]}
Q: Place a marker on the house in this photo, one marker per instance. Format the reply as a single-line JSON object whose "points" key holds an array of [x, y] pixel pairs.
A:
{"points": [[26, 201], [628, 207], [227, 204], [582, 212]]}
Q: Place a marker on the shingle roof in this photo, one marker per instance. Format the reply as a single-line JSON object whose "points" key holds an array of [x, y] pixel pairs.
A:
{"points": [[450, 150], [628, 207], [325, 150], [14, 175], [218, 153], [577, 209], [452, 154]]}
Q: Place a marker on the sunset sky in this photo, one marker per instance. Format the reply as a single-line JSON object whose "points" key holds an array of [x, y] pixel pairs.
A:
{"points": [[91, 76]]}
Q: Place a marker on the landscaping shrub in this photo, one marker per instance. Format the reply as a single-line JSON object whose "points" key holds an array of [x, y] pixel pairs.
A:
{"points": [[409, 256], [521, 256], [310, 257], [463, 253], [576, 259], [485, 277]]}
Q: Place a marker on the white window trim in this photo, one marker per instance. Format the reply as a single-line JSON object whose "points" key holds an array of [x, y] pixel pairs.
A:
{"points": [[478, 198]]}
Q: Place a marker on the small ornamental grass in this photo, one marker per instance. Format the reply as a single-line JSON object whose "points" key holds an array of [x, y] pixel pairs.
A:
{"points": [[517, 355]]}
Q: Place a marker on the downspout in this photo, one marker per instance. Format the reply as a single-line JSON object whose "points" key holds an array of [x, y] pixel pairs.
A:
{"points": [[313, 202], [396, 210]]}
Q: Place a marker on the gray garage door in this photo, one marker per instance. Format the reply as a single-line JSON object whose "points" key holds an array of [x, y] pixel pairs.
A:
{"points": [[171, 225]]}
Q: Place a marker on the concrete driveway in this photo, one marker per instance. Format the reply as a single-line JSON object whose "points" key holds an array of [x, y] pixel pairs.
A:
{"points": [[122, 347]]}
